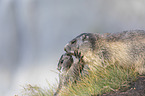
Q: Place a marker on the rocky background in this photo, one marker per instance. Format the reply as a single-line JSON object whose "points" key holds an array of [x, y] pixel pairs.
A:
{"points": [[34, 32]]}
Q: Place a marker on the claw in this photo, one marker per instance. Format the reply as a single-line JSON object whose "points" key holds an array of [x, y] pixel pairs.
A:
{"points": [[80, 54], [75, 54], [82, 57]]}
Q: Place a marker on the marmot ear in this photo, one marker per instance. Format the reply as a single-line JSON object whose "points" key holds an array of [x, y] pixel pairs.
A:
{"points": [[84, 37], [87, 37]]}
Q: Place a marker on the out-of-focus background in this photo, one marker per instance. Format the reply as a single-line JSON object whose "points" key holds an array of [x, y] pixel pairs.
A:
{"points": [[33, 34]]}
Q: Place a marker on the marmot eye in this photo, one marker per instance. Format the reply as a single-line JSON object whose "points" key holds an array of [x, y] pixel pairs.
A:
{"points": [[74, 41]]}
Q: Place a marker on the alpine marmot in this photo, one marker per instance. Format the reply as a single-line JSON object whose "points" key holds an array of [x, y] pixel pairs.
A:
{"points": [[126, 48]]}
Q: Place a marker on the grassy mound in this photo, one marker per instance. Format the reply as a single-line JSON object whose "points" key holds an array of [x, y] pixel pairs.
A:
{"points": [[102, 80]]}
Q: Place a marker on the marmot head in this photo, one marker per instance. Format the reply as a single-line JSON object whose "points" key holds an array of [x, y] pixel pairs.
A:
{"points": [[65, 61], [81, 42]]}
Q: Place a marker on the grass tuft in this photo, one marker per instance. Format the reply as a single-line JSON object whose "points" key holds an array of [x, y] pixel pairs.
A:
{"points": [[102, 80], [30, 90]]}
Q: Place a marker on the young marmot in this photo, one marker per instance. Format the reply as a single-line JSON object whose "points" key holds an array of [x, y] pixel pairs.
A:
{"points": [[65, 62], [126, 48], [71, 69]]}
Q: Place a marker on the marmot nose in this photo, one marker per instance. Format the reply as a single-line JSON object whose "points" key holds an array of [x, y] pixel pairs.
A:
{"points": [[66, 47]]}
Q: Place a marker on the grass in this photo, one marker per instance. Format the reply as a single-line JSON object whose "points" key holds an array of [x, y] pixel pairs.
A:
{"points": [[102, 80], [30, 90]]}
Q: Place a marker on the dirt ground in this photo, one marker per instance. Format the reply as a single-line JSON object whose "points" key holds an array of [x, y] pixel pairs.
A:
{"points": [[137, 89]]}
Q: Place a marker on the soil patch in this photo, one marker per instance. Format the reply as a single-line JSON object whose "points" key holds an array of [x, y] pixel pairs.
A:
{"points": [[137, 89]]}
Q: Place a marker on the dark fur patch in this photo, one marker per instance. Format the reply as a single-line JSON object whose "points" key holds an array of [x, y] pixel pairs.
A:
{"points": [[92, 40]]}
